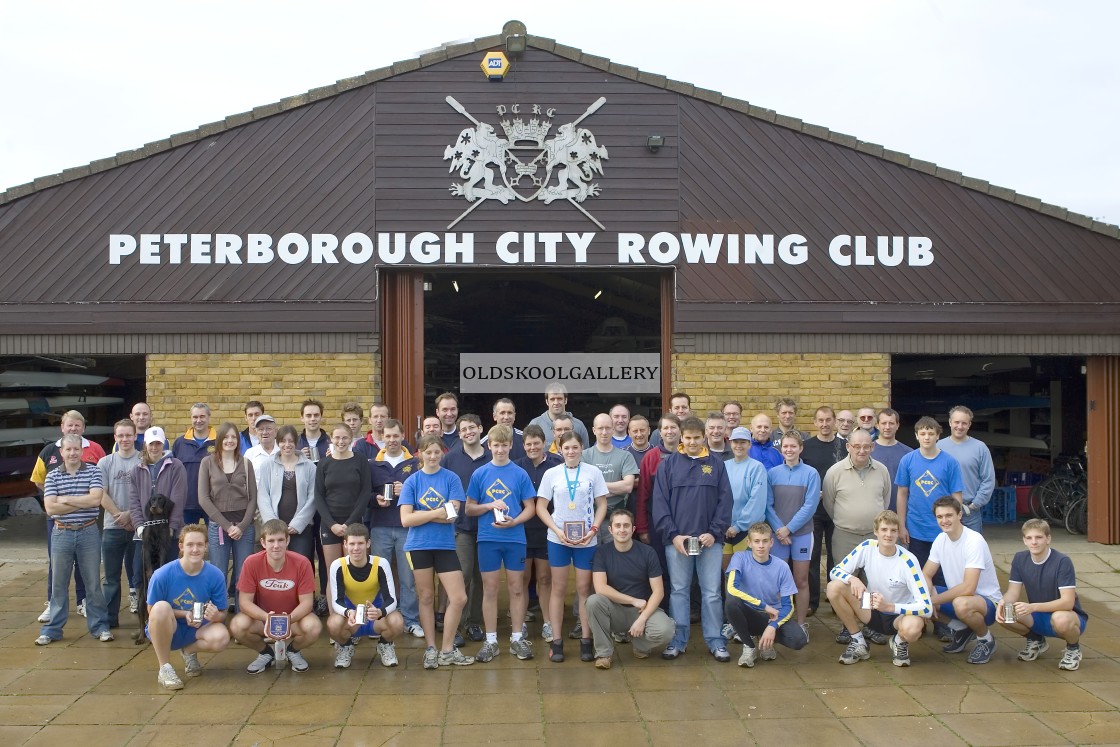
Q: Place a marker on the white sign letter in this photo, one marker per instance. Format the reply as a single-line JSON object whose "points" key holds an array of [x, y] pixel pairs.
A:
{"points": [[292, 248], [836, 250], [322, 248], [549, 241], [630, 248], [580, 242], [226, 246], [458, 251], [792, 249], [200, 248], [702, 247], [664, 248], [120, 245], [921, 251], [357, 249], [424, 247], [175, 243], [149, 248], [502, 248], [391, 248], [259, 249]]}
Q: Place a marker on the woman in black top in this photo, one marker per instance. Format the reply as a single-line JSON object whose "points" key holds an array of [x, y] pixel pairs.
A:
{"points": [[342, 491]]}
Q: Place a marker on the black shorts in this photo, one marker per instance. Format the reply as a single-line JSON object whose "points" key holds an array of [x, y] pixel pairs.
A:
{"points": [[443, 561], [536, 538], [882, 623], [328, 537], [537, 553]]}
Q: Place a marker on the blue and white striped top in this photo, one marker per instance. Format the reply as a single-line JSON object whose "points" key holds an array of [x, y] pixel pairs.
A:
{"points": [[61, 483]]}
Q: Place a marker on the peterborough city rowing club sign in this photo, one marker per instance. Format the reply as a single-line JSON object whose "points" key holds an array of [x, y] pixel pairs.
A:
{"points": [[512, 248], [524, 166]]}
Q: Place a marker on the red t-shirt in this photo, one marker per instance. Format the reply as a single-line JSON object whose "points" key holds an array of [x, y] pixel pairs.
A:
{"points": [[276, 591]]}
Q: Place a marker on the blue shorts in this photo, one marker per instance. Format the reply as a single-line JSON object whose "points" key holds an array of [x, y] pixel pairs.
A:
{"points": [[946, 608], [184, 635], [799, 548], [493, 555], [562, 556], [1042, 625], [366, 628]]}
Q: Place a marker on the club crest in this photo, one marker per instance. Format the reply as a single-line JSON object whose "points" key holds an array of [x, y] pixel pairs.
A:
{"points": [[525, 164]]}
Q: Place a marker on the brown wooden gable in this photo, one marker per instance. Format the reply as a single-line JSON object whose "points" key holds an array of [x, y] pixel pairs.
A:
{"points": [[366, 155]]}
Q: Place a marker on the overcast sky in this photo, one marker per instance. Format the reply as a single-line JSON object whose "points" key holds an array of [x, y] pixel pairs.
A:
{"points": [[1022, 94]]}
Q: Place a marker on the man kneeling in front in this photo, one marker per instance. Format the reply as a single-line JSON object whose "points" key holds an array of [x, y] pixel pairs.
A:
{"points": [[895, 600], [628, 593], [176, 592], [279, 583]]}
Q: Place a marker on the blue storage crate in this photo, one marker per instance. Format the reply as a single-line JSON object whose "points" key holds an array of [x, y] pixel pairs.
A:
{"points": [[1001, 508]]}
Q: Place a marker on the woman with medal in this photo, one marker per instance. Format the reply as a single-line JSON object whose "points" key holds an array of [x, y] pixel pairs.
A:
{"points": [[578, 495], [342, 491], [429, 502]]}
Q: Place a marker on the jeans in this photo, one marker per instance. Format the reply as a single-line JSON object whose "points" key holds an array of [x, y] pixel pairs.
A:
{"points": [[117, 550], [822, 533], [220, 551], [70, 548], [707, 568], [974, 521], [79, 582], [466, 547], [388, 543], [304, 544]]}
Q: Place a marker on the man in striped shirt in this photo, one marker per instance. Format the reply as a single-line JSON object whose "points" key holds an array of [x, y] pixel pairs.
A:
{"points": [[898, 602], [71, 495]]}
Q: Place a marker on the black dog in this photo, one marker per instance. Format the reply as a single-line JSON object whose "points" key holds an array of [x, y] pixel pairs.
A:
{"points": [[156, 548]]}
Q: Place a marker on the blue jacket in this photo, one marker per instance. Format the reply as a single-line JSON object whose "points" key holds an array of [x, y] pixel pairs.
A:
{"points": [[765, 453], [381, 473], [191, 453], [691, 496], [750, 490]]}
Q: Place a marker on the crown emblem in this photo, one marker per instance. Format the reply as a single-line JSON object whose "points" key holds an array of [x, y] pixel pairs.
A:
{"points": [[519, 132]]}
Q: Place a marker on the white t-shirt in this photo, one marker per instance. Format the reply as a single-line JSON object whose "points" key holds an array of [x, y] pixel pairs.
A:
{"points": [[576, 503], [258, 456], [969, 551]]}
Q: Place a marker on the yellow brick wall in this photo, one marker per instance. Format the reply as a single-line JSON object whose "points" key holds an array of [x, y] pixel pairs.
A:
{"points": [[847, 381], [281, 381]]}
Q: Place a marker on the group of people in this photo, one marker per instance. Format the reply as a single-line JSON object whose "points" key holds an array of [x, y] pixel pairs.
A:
{"points": [[703, 521]]}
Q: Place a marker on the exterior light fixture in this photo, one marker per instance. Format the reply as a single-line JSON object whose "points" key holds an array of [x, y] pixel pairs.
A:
{"points": [[654, 142], [513, 37], [515, 44]]}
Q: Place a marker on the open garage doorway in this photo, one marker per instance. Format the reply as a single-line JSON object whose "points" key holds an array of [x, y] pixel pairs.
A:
{"points": [[542, 311], [1029, 410], [36, 390]]}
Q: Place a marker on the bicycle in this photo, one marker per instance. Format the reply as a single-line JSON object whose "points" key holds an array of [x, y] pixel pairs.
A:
{"points": [[1052, 498], [1077, 516]]}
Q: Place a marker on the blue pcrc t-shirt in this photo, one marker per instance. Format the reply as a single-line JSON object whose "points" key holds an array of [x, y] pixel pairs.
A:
{"points": [[928, 480], [426, 492], [508, 483], [171, 584]]}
